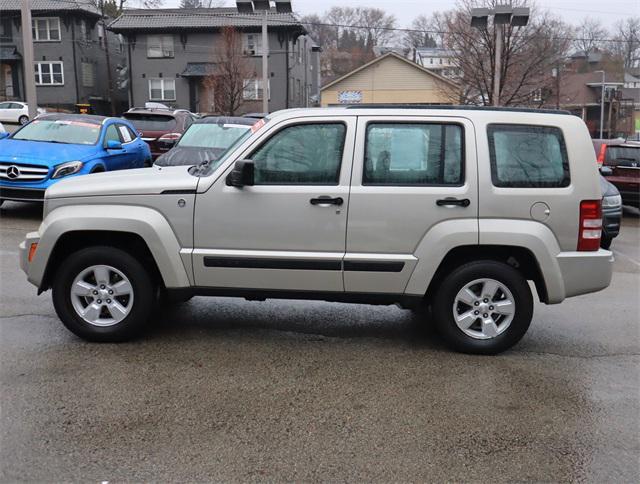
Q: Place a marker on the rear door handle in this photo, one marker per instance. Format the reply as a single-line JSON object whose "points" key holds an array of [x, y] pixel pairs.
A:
{"points": [[453, 202], [325, 200]]}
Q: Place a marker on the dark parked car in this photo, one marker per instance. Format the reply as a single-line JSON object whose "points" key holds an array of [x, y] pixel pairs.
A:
{"points": [[160, 127], [207, 139], [611, 212], [620, 162]]}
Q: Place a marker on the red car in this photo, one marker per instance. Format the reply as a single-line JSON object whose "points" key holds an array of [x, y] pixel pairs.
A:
{"points": [[160, 127], [619, 162]]}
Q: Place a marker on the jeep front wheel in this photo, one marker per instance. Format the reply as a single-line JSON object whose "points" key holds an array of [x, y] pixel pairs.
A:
{"points": [[483, 307], [103, 294]]}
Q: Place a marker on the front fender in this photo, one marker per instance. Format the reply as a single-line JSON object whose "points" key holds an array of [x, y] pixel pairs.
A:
{"points": [[145, 222]]}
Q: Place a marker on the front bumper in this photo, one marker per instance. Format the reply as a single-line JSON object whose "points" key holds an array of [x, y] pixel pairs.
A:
{"points": [[22, 194], [585, 272], [23, 250]]}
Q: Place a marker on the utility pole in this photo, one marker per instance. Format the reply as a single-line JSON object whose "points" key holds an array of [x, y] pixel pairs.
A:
{"points": [[28, 66], [112, 98]]}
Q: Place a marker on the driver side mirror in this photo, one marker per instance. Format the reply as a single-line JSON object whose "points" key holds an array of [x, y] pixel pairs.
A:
{"points": [[243, 174], [114, 145], [606, 171]]}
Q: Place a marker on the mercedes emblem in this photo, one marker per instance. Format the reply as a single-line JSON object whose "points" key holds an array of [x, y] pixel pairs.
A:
{"points": [[13, 172]]}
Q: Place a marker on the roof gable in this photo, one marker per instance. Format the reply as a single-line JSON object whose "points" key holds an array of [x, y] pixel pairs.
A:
{"points": [[391, 56], [85, 6]]}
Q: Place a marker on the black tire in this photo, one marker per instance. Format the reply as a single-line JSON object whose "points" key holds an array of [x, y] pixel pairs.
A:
{"points": [[22, 120], [143, 291], [445, 297], [605, 242]]}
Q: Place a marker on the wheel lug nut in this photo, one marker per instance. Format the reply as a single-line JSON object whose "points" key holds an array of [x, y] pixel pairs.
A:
{"points": [[477, 303], [476, 312], [99, 301], [485, 300], [485, 315], [95, 293], [101, 286], [108, 301], [490, 308], [110, 291]]}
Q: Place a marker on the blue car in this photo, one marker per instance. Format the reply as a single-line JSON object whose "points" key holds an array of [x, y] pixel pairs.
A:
{"points": [[56, 146]]}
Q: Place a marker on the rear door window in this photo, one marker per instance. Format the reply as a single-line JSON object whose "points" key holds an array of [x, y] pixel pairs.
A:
{"points": [[152, 122], [427, 154], [528, 156], [623, 155]]}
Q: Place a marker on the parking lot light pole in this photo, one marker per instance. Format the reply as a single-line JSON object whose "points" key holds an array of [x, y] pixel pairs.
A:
{"points": [[601, 101], [264, 6], [502, 15], [29, 71]]}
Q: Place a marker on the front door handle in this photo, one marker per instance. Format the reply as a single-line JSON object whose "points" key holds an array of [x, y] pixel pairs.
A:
{"points": [[453, 202], [325, 200]]}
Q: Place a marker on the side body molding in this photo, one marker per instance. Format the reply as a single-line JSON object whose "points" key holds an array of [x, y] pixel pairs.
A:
{"points": [[146, 222]]}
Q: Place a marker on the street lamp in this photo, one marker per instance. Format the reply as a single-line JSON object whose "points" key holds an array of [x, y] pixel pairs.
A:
{"points": [[502, 15], [264, 6], [601, 101]]}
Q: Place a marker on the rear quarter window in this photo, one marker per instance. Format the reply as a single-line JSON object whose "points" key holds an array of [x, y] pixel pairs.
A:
{"points": [[528, 156], [152, 122]]}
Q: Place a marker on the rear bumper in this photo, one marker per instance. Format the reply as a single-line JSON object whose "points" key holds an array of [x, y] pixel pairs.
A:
{"points": [[585, 272], [22, 194]]}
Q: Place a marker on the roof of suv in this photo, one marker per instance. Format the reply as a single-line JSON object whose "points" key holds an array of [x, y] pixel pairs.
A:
{"points": [[226, 120]]}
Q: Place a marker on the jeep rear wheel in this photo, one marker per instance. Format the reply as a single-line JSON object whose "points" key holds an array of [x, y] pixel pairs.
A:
{"points": [[483, 307], [103, 294]]}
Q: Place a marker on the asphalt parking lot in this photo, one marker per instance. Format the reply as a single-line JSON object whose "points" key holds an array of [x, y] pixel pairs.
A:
{"points": [[229, 390]]}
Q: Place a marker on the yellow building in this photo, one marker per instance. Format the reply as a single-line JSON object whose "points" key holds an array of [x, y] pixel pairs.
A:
{"points": [[390, 79]]}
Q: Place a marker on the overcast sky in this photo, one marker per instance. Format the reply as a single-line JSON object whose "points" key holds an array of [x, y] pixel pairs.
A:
{"points": [[572, 11]]}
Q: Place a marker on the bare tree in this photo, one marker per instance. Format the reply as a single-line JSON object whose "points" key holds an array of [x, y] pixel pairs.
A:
{"points": [[201, 3], [626, 41], [589, 35], [421, 33], [231, 70], [528, 57]]}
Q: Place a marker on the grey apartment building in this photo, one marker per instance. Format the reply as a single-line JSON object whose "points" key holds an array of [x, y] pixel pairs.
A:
{"points": [[171, 53], [69, 46]]}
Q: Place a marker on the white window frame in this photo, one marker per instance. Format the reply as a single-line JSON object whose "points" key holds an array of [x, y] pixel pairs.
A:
{"points": [[163, 42], [48, 20], [254, 91], [88, 73], [162, 89], [253, 46], [38, 72]]}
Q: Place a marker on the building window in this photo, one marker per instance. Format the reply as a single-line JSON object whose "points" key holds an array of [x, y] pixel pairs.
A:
{"points": [[162, 89], [160, 46], [49, 73], [253, 89], [252, 44], [45, 29], [88, 74]]}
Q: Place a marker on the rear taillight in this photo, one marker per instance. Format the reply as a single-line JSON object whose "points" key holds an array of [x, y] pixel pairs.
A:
{"points": [[170, 137], [590, 225], [602, 154]]}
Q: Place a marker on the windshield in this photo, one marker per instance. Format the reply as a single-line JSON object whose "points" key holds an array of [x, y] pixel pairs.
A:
{"points": [[60, 131], [152, 122], [622, 155], [208, 135]]}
